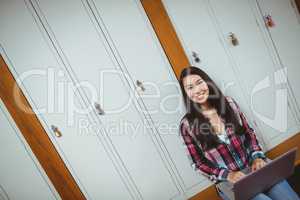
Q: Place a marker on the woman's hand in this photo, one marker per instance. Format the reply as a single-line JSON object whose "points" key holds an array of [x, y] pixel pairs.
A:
{"points": [[257, 164], [235, 176]]}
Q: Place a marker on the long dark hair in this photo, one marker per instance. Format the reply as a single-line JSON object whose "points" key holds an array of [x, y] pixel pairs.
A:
{"points": [[204, 132]]}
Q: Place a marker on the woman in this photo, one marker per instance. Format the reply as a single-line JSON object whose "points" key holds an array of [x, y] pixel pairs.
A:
{"points": [[219, 140]]}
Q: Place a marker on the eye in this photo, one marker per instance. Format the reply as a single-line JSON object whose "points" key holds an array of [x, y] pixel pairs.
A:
{"points": [[200, 81], [190, 87]]}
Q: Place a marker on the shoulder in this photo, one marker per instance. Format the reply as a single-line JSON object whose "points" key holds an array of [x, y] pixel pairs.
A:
{"points": [[185, 120], [185, 125], [230, 99], [235, 107], [233, 104]]}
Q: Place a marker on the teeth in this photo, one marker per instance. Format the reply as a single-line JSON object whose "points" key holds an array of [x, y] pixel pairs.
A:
{"points": [[200, 94]]}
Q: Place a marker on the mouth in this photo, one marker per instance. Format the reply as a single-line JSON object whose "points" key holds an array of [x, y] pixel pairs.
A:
{"points": [[201, 94]]}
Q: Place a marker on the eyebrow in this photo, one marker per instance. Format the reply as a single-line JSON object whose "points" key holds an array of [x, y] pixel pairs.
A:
{"points": [[195, 81]]}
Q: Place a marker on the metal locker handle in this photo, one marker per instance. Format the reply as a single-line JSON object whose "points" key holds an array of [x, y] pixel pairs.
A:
{"points": [[140, 85], [99, 109], [196, 57], [233, 39], [56, 131]]}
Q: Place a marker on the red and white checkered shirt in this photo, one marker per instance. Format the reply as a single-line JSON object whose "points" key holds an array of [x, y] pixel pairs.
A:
{"points": [[234, 155]]}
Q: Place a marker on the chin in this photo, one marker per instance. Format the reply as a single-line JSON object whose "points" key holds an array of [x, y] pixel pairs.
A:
{"points": [[203, 101]]}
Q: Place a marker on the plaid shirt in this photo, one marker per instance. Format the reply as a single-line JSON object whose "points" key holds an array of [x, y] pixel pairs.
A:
{"points": [[216, 163]]}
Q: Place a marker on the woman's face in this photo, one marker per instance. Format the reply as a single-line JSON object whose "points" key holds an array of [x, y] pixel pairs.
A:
{"points": [[196, 88]]}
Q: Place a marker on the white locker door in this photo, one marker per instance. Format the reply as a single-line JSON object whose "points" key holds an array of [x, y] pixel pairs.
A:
{"points": [[80, 39], [19, 165], [197, 34], [257, 70], [143, 58], [285, 36], [48, 88]]}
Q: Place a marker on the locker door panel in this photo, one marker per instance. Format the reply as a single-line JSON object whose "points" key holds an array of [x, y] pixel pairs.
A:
{"points": [[198, 35], [256, 70], [47, 85], [285, 37], [90, 59], [144, 59]]}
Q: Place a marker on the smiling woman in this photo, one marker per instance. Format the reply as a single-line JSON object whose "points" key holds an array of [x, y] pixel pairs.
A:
{"points": [[196, 88], [210, 113], [185, 27]]}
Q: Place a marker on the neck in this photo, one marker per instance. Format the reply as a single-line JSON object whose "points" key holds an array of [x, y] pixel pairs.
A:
{"points": [[205, 106]]}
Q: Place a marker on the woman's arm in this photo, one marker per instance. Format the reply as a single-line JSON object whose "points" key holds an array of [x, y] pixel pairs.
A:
{"points": [[251, 141], [197, 157]]}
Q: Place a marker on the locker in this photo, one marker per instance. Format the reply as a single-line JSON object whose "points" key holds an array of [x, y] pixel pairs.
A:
{"points": [[284, 37], [19, 165], [73, 45], [267, 89], [248, 71], [46, 84], [146, 62]]}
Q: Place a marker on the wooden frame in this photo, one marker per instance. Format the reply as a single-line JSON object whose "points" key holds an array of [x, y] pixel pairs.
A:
{"points": [[166, 34], [37, 138], [169, 41]]}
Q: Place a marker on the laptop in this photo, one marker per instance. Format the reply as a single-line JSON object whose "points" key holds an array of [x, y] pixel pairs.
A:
{"points": [[260, 180]]}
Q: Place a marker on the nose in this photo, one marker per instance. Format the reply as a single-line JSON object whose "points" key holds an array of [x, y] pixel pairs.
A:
{"points": [[198, 90]]}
